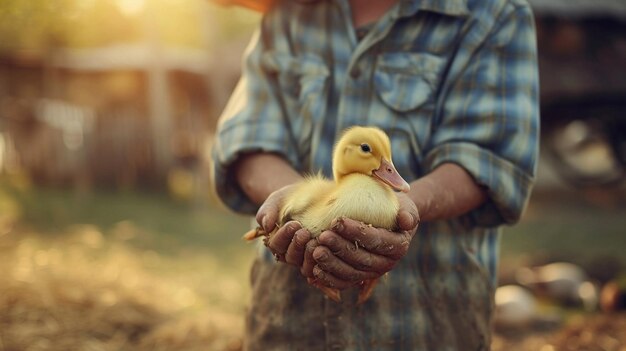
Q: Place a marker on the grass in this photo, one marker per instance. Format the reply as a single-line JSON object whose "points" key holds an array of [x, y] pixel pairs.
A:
{"points": [[168, 225]]}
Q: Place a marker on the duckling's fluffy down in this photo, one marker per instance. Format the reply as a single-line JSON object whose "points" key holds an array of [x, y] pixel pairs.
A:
{"points": [[317, 201]]}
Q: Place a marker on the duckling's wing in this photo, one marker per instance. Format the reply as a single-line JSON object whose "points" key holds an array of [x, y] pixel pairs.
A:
{"points": [[364, 199], [304, 195]]}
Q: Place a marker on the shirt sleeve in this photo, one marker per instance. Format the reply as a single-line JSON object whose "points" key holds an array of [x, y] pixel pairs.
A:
{"points": [[253, 120], [490, 117]]}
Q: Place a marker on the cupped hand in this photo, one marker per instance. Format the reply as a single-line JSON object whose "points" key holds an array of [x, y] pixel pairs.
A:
{"points": [[288, 243], [351, 251]]}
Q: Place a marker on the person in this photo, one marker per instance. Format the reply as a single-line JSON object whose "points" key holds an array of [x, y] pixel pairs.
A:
{"points": [[455, 85]]}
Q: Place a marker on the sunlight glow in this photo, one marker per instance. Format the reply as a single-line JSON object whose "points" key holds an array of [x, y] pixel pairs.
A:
{"points": [[131, 7]]}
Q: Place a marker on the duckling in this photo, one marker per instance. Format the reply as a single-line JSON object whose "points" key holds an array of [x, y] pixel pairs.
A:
{"points": [[363, 189]]}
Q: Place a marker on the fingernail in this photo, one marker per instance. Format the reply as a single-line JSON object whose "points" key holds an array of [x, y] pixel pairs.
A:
{"points": [[264, 223], [326, 239], [338, 226], [302, 236], [318, 272], [320, 255]]}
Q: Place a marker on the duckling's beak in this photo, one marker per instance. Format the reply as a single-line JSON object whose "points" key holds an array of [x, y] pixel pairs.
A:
{"points": [[388, 174]]}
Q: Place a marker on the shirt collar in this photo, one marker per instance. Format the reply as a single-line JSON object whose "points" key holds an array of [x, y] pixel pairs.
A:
{"points": [[446, 7]]}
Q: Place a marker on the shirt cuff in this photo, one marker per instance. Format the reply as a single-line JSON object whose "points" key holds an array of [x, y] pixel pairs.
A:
{"points": [[508, 186]]}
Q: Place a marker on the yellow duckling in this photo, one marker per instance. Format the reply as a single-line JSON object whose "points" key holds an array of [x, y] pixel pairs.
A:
{"points": [[363, 189]]}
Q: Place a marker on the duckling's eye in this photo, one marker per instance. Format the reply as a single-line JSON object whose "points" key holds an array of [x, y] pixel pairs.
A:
{"points": [[365, 148]]}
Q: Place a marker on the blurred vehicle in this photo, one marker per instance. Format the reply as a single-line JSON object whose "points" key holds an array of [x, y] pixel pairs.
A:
{"points": [[582, 61]]}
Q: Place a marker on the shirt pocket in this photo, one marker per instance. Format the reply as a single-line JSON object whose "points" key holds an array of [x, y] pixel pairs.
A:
{"points": [[405, 81]]}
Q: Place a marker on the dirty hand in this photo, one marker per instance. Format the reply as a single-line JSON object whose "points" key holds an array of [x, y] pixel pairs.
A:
{"points": [[289, 241], [351, 251]]}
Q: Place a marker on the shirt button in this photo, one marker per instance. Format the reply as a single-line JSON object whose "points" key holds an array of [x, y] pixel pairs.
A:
{"points": [[355, 73]]}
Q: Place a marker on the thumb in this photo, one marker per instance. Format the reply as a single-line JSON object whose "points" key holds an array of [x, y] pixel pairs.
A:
{"points": [[408, 216], [267, 215]]}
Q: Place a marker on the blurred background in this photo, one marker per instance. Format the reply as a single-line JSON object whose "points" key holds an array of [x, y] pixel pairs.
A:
{"points": [[110, 240]]}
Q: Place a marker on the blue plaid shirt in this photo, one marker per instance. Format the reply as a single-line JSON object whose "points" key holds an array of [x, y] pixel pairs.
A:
{"points": [[449, 81]]}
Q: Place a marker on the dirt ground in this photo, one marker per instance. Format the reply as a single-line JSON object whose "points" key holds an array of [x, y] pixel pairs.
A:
{"points": [[592, 332], [580, 226], [79, 293]]}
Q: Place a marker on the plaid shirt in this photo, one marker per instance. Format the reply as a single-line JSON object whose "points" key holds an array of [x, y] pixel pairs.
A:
{"points": [[449, 81]]}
